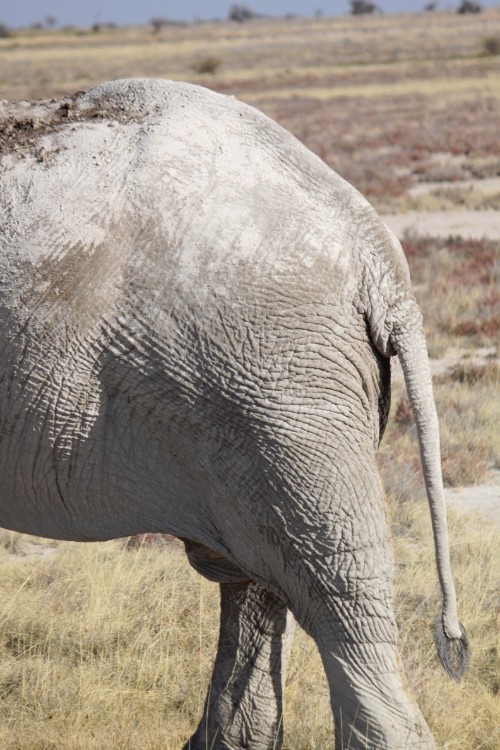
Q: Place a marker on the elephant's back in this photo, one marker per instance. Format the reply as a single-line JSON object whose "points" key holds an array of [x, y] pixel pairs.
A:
{"points": [[170, 157], [173, 107], [150, 190]]}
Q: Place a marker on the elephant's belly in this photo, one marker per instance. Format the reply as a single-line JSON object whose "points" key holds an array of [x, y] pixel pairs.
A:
{"points": [[106, 440], [96, 493], [99, 472]]}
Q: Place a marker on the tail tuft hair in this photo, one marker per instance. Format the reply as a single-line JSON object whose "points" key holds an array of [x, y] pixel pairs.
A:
{"points": [[454, 653]]}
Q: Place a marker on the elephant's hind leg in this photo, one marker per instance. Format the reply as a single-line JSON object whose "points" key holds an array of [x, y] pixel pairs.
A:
{"points": [[244, 704], [348, 609], [372, 709]]}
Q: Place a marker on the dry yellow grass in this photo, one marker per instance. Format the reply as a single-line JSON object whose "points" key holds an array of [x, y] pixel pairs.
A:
{"points": [[465, 716], [107, 648], [103, 647]]}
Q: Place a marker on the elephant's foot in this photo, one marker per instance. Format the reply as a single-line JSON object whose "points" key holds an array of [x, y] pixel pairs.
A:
{"points": [[245, 699]]}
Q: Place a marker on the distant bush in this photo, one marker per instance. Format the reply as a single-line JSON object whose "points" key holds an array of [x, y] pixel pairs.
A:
{"points": [[4, 31], [468, 6], [429, 7], [362, 7], [491, 45], [99, 26], [241, 13], [158, 23], [208, 64]]}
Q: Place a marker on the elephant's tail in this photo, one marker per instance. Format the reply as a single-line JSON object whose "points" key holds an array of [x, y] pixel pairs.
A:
{"points": [[408, 340]]}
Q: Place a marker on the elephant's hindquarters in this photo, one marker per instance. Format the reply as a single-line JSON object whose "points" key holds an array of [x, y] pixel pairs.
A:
{"points": [[292, 396]]}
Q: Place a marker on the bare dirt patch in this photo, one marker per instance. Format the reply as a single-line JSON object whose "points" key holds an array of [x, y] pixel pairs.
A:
{"points": [[486, 185], [467, 224], [482, 499]]}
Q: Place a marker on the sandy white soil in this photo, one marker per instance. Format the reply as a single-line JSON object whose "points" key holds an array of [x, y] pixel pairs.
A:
{"points": [[482, 499], [443, 365], [486, 185], [468, 224]]}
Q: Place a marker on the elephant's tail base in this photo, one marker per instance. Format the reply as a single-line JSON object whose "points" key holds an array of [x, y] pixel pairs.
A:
{"points": [[454, 653]]}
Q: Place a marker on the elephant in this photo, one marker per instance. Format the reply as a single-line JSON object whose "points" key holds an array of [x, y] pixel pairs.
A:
{"points": [[197, 319]]}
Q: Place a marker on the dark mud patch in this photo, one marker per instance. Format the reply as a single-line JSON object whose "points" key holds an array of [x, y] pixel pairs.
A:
{"points": [[24, 123]]}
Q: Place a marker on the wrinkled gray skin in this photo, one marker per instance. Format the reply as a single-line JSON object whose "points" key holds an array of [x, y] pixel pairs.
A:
{"points": [[196, 321]]}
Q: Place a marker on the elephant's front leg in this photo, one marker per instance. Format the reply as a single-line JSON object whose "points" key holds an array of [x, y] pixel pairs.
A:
{"points": [[244, 704]]}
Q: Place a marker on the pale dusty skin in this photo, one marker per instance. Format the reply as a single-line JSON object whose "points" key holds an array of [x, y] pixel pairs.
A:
{"points": [[197, 319]]}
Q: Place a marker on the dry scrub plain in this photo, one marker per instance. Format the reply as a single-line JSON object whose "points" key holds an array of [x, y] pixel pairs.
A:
{"points": [[109, 646]]}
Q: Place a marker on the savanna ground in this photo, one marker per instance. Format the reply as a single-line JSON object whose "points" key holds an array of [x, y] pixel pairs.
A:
{"points": [[110, 646]]}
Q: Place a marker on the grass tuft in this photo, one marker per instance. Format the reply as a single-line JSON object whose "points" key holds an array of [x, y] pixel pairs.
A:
{"points": [[208, 64], [491, 45]]}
